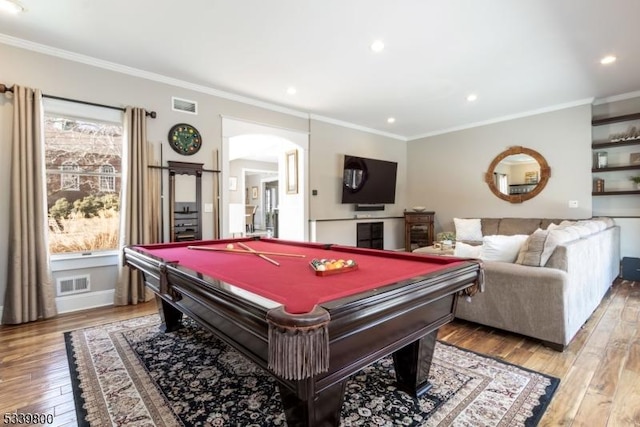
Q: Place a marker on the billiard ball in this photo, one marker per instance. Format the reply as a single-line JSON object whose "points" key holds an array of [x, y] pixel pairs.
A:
{"points": [[230, 246]]}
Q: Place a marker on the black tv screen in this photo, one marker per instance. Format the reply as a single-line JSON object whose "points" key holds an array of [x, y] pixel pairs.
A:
{"points": [[368, 181]]}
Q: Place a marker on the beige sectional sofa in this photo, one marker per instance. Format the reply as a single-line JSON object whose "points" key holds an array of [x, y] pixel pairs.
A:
{"points": [[553, 301]]}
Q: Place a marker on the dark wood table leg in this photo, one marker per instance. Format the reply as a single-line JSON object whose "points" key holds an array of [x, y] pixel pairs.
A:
{"points": [[170, 316], [412, 364], [323, 410]]}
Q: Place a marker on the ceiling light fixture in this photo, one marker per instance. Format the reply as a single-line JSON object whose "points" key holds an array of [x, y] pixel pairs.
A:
{"points": [[11, 6], [391, 120], [472, 97], [609, 59], [291, 90], [377, 46]]}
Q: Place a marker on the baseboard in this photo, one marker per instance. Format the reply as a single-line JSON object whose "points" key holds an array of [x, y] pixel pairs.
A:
{"points": [[84, 301], [79, 302]]}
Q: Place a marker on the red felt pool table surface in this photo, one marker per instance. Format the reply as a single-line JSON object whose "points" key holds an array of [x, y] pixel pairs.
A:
{"points": [[294, 283]]}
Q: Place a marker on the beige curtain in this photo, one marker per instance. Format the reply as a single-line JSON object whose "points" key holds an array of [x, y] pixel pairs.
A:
{"points": [[30, 294], [140, 207]]}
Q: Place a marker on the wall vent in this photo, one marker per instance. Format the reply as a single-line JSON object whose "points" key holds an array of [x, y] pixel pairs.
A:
{"points": [[73, 285], [184, 105]]}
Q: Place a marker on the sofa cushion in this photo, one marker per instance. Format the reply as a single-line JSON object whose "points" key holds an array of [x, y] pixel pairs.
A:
{"points": [[490, 226], [469, 230], [511, 226], [502, 248], [539, 247], [464, 250], [608, 222], [545, 222]]}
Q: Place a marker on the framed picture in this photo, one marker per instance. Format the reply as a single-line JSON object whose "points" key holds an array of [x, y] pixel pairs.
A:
{"points": [[634, 158], [292, 171], [254, 192], [233, 183], [531, 177]]}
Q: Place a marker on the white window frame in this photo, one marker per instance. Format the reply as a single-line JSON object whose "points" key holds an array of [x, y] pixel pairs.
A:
{"points": [[74, 109], [68, 181], [107, 178]]}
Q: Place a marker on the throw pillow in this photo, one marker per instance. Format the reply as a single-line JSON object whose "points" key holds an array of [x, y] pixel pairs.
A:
{"points": [[539, 247], [464, 250], [502, 248], [531, 250], [469, 230]]}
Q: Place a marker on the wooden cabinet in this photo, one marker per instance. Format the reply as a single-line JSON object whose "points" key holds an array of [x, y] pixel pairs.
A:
{"points": [[418, 230], [615, 143], [185, 210], [370, 235]]}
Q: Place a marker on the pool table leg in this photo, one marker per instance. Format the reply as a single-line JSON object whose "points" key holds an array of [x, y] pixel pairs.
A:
{"points": [[322, 411], [171, 317], [412, 364]]}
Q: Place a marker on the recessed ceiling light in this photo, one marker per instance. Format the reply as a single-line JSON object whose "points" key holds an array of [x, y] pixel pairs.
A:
{"points": [[609, 59], [377, 46], [472, 97], [11, 6], [291, 90], [391, 120]]}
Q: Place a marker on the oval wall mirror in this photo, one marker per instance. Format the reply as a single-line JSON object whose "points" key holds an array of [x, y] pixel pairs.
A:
{"points": [[518, 174]]}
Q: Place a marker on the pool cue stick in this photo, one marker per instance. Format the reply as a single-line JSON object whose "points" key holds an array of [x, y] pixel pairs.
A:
{"points": [[161, 197], [264, 257], [243, 251]]}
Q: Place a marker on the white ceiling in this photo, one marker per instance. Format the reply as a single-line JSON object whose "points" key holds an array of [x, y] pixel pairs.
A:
{"points": [[518, 56]]}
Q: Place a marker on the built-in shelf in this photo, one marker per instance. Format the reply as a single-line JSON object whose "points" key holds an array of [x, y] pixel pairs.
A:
{"points": [[615, 193], [615, 119], [616, 168], [598, 145]]}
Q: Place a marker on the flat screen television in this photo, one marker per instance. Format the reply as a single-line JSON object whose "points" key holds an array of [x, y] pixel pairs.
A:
{"points": [[368, 181]]}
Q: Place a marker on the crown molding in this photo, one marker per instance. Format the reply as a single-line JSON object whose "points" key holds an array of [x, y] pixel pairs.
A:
{"points": [[356, 127], [147, 75], [506, 118], [614, 98]]}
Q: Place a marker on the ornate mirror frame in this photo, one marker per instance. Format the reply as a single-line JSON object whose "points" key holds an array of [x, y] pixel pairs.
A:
{"points": [[545, 173]]}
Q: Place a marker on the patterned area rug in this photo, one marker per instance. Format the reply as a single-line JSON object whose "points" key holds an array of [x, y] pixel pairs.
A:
{"points": [[130, 374]]}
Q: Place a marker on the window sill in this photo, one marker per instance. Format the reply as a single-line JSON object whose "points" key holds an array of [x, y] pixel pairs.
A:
{"points": [[79, 261]]}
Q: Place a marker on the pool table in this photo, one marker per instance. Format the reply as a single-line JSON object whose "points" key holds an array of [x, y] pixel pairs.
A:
{"points": [[310, 330]]}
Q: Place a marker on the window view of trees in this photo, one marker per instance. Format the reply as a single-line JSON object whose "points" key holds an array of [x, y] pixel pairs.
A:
{"points": [[83, 161]]}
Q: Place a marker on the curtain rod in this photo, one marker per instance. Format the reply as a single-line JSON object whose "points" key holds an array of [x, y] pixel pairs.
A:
{"points": [[4, 89]]}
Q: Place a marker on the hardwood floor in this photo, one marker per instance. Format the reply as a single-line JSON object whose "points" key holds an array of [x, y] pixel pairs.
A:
{"points": [[599, 371]]}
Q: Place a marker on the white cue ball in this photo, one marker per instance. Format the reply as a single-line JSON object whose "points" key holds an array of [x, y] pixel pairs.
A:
{"points": [[230, 246]]}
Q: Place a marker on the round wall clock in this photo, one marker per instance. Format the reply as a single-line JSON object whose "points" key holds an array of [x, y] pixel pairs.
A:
{"points": [[185, 139]]}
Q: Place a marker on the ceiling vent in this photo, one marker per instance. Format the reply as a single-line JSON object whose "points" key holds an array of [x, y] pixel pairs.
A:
{"points": [[184, 105]]}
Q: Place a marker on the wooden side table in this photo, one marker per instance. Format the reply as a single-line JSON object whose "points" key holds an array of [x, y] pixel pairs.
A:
{"points": [[418, 230]]}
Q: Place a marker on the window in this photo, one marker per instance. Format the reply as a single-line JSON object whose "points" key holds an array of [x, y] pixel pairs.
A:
{"points": [[68, 181], [83, 206], [107, 178]]}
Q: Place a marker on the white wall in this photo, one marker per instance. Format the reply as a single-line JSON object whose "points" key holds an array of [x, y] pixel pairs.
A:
{"points": [[446, 172], [61, 77], [329, 144]]}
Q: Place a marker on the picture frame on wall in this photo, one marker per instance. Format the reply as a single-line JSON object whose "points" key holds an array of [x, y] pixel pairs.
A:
{"points": [[254, 192], [531, 177], [292, 171]]}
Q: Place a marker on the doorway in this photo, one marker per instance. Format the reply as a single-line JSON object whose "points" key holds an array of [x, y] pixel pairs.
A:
{"points": [[248, 145], [271, 207]]}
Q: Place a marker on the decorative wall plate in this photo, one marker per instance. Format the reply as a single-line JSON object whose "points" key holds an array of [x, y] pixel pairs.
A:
{"points": [[185, 139]]}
